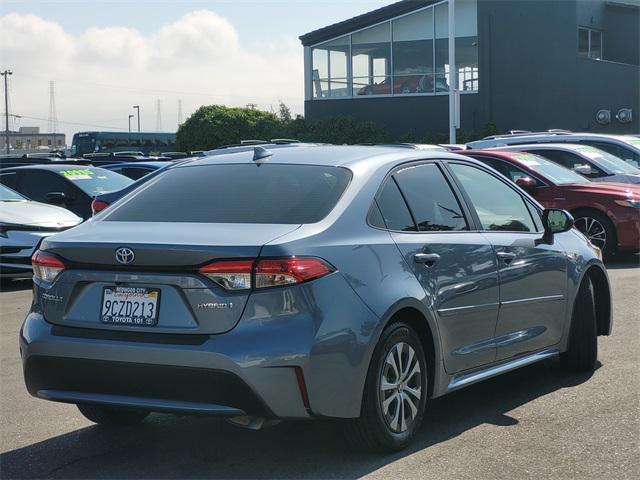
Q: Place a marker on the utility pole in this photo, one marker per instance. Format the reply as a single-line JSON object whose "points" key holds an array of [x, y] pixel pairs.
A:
{"points": [[137, 107], [6, 74], [179, 112]]}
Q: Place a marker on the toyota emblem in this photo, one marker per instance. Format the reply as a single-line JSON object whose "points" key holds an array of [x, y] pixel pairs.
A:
{"points": [[125, 255]]}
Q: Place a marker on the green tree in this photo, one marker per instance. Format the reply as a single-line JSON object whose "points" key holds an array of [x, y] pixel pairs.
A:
{"points": [[212, 126]]}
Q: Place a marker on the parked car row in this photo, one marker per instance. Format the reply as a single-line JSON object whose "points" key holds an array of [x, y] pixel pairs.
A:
{"points": [[598, 188]]}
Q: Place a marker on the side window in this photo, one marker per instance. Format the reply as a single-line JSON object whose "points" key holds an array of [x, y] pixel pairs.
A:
{"points": [[36, 185], [433, 204], [134, 173], [499, 207], [10, 180], [393, 208]]}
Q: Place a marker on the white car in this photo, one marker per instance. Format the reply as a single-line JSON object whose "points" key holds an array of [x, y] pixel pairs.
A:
{"points": [[626, 147], [23, 224]]}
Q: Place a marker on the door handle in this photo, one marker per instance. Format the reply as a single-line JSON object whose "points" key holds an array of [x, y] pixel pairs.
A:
{"points": [[427, 259], [506, 257]]}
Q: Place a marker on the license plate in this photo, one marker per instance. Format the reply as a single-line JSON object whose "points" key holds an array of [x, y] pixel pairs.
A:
{"points": [[136, 306]]}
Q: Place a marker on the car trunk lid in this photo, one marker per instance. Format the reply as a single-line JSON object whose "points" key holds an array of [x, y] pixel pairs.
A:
{"points": [[187, 302]]}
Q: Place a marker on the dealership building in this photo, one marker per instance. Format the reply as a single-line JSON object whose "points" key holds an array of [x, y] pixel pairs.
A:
{"points": [[529, 64]]}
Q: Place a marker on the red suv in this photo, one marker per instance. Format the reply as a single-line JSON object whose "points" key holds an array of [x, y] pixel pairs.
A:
{"points": [[608, 214]]}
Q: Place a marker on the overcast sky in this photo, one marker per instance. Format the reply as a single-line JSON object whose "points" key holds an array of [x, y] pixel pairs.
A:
{"points": [[106, 56]]}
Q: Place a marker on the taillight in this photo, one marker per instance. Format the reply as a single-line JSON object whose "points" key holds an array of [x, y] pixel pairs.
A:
{"points": [[98, 206], [46, 267], [286, 271], [230, 274], [265, 273]]}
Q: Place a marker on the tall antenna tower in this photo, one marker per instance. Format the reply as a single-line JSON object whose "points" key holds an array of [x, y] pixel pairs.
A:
{"points": [[158, 116], [179, 112], [53, 115]]}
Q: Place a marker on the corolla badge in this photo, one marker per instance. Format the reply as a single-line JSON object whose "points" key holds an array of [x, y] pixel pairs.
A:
{"points": [[125, 255]]}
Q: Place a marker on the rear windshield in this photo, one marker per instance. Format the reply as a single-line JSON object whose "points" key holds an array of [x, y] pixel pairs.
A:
{"points": [[94, 181], [245, 193]]}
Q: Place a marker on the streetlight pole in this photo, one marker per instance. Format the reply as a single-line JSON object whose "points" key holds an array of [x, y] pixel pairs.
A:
{"points": [[137, 107], [129, 137], [6, 74]]}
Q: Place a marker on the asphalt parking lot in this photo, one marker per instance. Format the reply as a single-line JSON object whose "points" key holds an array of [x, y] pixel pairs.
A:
{"points": [[538, 422]]}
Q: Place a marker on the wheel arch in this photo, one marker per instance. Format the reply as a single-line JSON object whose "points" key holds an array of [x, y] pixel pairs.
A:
{"points": [[602, 298], [413, 312]]}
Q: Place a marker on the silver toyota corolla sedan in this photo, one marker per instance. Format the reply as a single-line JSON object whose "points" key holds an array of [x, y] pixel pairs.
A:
{"points": [[352, 283], [23, 223]]}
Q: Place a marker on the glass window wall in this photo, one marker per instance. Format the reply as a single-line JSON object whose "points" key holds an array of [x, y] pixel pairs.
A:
{"points": [[406, 55]]}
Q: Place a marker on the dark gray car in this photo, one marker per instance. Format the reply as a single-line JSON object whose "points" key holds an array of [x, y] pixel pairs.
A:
{"points": [[352, 283]]}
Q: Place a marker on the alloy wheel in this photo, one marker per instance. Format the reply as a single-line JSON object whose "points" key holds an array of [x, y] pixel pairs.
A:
{"points": [[593, 230], [400, 387]]}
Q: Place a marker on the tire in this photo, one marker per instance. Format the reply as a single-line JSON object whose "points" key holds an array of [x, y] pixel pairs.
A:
{"points": [[582, 352], [112, 415], [380, 427], [592, 223]]}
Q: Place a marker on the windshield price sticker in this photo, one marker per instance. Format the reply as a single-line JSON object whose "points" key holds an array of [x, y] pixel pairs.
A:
{"points": [[528, 160], [77, 174]]}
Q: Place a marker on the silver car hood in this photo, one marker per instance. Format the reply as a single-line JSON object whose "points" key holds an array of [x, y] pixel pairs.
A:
{"points": [[36, 214]]}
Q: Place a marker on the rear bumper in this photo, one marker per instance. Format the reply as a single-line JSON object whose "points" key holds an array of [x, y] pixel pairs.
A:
{"points": [[75, 365], [318, 339]]}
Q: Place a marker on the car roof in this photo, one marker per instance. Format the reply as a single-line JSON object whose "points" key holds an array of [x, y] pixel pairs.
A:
{"points": [[156, 164], [544, 137], [549, 146], [51, 167], [354, 157]]}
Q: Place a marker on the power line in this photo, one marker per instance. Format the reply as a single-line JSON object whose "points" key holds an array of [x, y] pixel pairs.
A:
{"points": [[82, 124]]}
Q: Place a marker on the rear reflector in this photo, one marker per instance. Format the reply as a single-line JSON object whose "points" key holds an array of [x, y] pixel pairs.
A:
{"points": [[266, 273], [98, 206], [230, 274], [46, 267]]}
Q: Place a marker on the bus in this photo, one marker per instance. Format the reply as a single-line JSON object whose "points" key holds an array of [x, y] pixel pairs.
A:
{"points": [[108, 142]]}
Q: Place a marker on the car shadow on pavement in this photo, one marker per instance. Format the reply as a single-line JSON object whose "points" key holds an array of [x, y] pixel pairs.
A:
{"points": [[167, 446], [623, 260], [13, 285]]}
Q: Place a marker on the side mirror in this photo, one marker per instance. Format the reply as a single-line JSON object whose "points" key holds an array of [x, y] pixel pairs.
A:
{"points": [[556, 220], [582, 169], [528, 184], [56, 198]]}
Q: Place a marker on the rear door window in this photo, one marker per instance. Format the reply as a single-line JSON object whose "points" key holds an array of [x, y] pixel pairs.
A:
{"points": [[237, 193], [433, 204]]}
